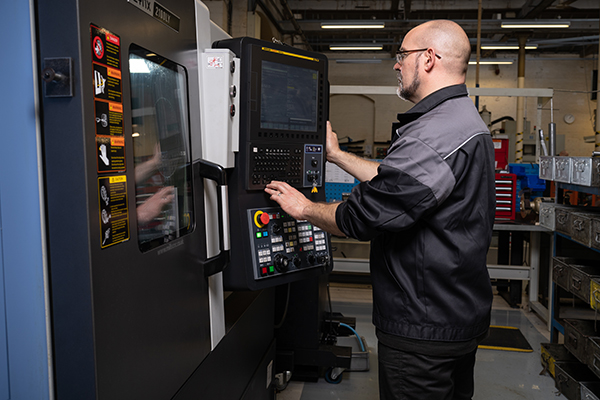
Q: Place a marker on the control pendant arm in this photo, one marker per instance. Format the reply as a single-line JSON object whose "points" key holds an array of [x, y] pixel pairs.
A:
{"points": [[214, 172]]}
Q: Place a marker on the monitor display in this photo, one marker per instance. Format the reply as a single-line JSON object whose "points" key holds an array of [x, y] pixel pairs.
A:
{"points": [[288, 97]]}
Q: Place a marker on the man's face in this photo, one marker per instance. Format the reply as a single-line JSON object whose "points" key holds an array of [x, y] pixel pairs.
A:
{"points": [[407, 71], [407, 85]]}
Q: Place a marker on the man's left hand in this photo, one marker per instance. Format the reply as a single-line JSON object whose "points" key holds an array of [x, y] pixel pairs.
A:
{"points": [[292, 201]]}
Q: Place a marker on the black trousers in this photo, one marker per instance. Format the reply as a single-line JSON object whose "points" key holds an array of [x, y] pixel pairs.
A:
{"points": [[408, 376]]}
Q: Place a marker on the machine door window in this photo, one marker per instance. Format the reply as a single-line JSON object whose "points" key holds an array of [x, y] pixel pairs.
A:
{"points": [[161, 139]]}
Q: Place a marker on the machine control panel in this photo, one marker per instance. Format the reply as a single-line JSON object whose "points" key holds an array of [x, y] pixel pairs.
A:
{"points": [[283, 245], [300, 165]]}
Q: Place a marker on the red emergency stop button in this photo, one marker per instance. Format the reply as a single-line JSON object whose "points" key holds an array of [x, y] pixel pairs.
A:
{"points": [[264, 218], [261, 219]]}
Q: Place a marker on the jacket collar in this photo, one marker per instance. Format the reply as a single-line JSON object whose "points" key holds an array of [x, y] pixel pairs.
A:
{"points": [[432, 101]]}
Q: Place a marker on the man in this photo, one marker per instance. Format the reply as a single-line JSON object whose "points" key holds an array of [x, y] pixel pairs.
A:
{"points": [[428, 210]]}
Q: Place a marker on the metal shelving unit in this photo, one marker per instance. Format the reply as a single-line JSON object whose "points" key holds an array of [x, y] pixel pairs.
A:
{"points": [[560, 311]]}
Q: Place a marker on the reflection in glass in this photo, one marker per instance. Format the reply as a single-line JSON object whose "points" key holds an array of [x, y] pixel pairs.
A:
{"points": [[161, 148]]}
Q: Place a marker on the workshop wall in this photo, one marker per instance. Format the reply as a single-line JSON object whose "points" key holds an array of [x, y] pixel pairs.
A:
{"points": [[563, 73]]}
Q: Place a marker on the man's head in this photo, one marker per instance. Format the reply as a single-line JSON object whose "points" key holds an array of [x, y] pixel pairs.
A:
{"points": [[433, 55]]}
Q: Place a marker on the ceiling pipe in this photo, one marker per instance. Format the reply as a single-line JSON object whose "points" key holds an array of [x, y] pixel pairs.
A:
{"points": [[287, 11]]}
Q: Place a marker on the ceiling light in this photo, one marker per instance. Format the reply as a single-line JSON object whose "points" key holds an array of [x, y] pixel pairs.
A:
{"points": [[535, 24], [353, 25], [507, 47], [493, 61], [355, 47]]}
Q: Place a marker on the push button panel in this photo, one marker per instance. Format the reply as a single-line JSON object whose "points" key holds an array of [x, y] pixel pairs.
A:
{"points": [[282, 245]]}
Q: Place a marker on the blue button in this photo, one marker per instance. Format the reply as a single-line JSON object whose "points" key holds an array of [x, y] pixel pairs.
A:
{"points": [[265, 234]]}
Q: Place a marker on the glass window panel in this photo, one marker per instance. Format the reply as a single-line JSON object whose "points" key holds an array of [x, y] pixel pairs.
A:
{"points": [[161, 148]]}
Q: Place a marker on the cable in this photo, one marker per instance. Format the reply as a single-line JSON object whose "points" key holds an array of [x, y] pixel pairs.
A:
{"points": [[362, 346]]}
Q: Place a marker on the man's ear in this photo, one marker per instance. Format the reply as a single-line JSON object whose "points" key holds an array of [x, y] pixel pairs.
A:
{"points": [[429, 60]]}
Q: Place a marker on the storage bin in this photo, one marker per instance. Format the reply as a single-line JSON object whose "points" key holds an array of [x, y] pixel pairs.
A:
{"points": [[560, 271], [585, 171], [594, 357], [547, 168], [581, 227], [562, 169], [547, 215], [552, 353], [595, 239], [580, 280], [590, 390], [564, 219], [577, 332], [569, 376], [595, 292]]}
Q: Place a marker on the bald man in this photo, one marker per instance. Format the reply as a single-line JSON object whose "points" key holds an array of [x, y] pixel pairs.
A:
{"points": [[428, 210]]}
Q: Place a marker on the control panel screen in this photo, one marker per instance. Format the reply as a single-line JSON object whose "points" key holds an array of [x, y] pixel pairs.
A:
{"points": [[288, 97]]}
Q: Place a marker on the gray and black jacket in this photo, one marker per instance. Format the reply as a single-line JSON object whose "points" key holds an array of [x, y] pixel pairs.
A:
{"points": [[429, 214]]}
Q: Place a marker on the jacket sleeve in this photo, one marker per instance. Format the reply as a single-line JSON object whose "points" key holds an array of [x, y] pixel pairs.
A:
{"points": [[411, 181]]}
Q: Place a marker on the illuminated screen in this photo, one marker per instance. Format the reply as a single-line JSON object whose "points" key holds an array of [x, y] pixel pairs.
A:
{"points": [[288, 97]]}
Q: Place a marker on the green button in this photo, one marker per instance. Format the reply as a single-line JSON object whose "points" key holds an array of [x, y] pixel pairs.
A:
{"points": [[271, 269], [258, 235]]}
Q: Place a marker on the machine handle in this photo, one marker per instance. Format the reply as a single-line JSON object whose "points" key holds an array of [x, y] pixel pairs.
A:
{"points": [[214, 172]]}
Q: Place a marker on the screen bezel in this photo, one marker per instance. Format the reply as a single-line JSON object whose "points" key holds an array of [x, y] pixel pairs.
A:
{"points": [[258, 54]]}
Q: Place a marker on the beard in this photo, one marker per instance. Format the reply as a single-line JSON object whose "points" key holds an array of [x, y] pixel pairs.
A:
{"points": [[406, 92]]}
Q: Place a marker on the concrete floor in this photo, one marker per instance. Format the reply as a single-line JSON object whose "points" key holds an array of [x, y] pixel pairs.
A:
{"points": [[498, 374]]}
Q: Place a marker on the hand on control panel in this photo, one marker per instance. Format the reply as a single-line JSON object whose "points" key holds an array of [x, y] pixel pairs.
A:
{"points": [[299, 207], [291, 200]]}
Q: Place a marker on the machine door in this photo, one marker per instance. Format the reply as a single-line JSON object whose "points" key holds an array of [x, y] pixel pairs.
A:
{"points": [[129, 297]]}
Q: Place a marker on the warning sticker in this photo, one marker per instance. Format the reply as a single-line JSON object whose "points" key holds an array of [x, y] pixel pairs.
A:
{"points": [[114, 216], [109, 118], [111, 153], [106, 47], [108, 100], [107, 83]]}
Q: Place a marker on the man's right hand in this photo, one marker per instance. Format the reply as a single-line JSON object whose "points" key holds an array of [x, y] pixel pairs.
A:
{"points": [[358, 167], [332, 146]]}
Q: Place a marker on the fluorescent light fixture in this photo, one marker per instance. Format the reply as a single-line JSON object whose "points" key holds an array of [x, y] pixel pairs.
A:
{"points": [[138, 66], [507, 47], [492, 61], [353, 25], [355, 47], [535, 24]]}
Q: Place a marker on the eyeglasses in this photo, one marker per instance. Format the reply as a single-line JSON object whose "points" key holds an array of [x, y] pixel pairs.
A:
{"points": [[402, 54]]}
